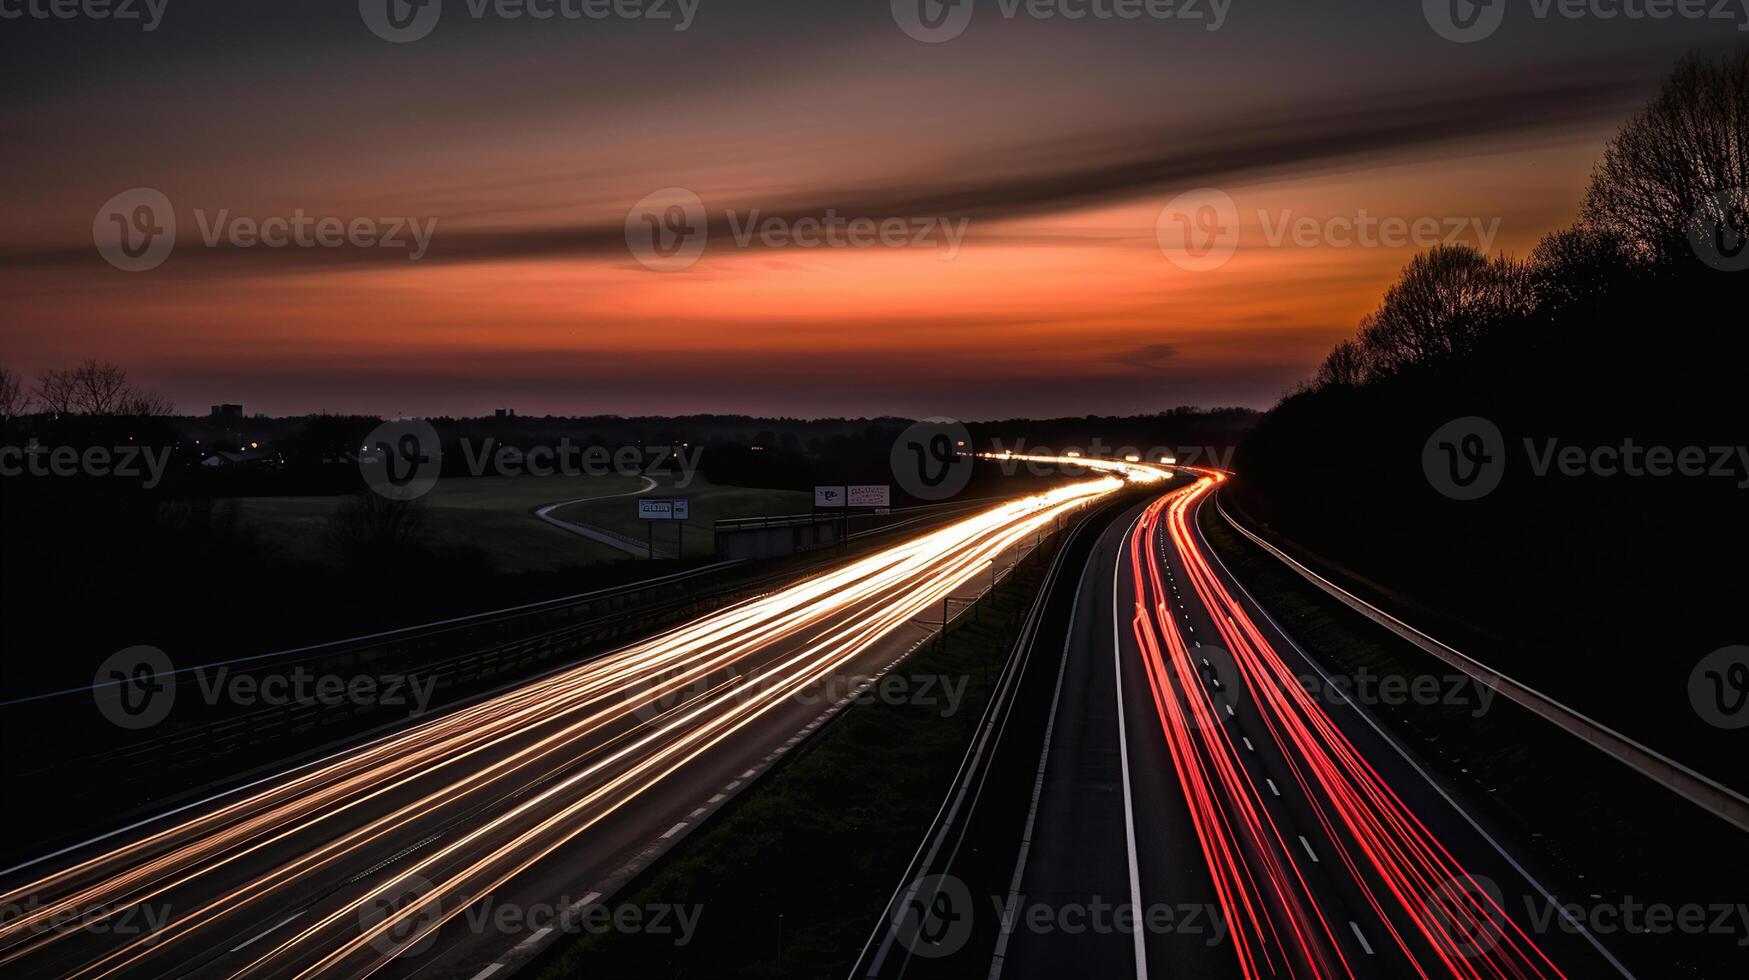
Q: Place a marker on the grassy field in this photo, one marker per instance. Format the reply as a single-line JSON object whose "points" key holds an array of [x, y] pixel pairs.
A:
{"points": [[710, 503], [494, 513]]}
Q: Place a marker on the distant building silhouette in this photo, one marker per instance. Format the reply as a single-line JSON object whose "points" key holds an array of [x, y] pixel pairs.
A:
{"points": [[228, 412], [505, 413]]}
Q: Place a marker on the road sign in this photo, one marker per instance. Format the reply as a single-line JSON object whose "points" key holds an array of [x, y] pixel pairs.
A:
{"points": [[871, 495], [659, 509], [829, 496]]}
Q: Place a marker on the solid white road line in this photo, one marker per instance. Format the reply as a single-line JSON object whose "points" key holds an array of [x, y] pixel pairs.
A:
{"points": [[1129, 813], [488, 971]]}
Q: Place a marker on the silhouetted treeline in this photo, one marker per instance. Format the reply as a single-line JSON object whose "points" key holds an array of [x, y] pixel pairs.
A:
{"points": [[1602, 588]]}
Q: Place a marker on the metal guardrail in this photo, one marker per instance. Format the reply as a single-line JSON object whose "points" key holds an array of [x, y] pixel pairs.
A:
{"points": [[835, 515], [1698, 789]]}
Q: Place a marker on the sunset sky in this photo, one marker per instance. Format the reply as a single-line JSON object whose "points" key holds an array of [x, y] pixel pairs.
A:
{"points": [[530, 140]]}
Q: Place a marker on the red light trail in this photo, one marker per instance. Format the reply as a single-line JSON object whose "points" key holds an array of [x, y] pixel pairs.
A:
{"points": [[1440, 920]]}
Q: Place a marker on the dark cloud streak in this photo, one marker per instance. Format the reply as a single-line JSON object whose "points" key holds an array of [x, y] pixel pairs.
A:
{"points": [[1291, 137]]}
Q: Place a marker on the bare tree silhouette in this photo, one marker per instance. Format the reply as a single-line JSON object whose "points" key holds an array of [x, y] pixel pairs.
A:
{"points": [[1673, 160], [1578, 263], [55, 392], [13, 398], [1445, 300], [1347, 364], [99, 389], [368, 526], [96, 388]]}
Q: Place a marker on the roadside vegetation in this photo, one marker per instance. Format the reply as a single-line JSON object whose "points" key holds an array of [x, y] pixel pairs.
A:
{"points": [[1617, 335]]}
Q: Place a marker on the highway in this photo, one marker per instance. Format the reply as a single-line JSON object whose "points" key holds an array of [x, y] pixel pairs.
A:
{"points": [[372, 861], [1187, 772]]}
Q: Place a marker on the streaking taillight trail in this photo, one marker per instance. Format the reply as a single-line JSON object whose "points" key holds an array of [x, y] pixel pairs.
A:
{"points": [[1437, 918]]}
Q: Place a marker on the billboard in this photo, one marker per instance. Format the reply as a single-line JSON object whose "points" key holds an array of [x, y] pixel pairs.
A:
{"points": [[828, 496], [871, 495], [660, 509]]}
